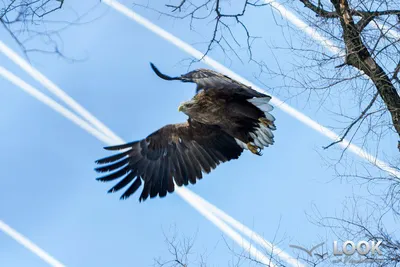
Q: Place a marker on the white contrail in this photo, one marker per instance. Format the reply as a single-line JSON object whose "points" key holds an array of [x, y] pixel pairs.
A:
{"points": [[248, 232], [54, 105], [277, 102], [53, 88], [29, 245], [314, 34], [194, 201], [304, 27], [185, 193]]}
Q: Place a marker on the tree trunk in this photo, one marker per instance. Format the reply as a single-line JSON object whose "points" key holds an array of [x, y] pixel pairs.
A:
{"points": [[357, 55]]}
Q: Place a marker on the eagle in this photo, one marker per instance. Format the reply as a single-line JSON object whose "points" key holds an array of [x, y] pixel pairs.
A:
{"points": [[225, 118]]}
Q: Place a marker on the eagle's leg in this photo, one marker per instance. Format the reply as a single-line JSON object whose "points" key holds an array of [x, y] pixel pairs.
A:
{"points": [[254, 149]]}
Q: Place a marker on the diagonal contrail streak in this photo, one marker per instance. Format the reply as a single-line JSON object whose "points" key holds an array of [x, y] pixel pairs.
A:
{"points": [[54, 105], [273, 249], [29, 245], [304, 27], [54, 89], [290, 16]]}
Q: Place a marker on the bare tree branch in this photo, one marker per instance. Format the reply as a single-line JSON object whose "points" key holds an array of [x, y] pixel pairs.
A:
{"points": [[362, 116]]}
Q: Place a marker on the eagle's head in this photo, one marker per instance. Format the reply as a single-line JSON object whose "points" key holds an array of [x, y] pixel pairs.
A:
{"points": [[187, 106]]}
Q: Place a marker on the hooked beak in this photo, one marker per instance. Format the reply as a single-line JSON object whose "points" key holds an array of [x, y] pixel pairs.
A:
{"points": [[181, 107]]}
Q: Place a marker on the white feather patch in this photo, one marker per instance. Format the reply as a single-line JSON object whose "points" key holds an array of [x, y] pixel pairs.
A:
{"points": [[260, 100], [266, 130], [241, 144], [258, 143], [266, 107], [265, 138], [269, 116], [260, 138], [253, 136]]}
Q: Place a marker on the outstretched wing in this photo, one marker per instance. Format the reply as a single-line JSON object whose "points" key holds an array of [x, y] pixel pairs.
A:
{"points": [[178, 152], [211, 80]]}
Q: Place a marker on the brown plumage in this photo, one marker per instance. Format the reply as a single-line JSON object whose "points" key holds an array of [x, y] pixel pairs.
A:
{"points": [[225, 117]]}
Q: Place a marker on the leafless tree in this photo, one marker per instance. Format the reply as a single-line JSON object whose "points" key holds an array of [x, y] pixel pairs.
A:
{"points": [[183, 252], [352, 224], [35, 27], [21, 18], [365, 33], [366, 36], [180, 250]]}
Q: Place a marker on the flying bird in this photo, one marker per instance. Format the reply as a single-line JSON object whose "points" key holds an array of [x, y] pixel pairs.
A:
{"points": [[225, 118]]}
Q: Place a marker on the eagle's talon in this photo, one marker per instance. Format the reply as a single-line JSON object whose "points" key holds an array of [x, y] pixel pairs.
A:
{"points": [[254, 149]]}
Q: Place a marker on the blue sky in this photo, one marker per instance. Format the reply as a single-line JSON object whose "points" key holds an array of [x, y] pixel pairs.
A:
{"points": [[49, 188]]}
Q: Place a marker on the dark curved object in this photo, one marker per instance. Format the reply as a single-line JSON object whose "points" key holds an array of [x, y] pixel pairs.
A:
{"points": [[163, 76]]}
